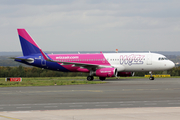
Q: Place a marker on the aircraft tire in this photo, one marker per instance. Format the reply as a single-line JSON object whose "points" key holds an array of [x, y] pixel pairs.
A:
{"points": [[151, 78], [90, 78]]}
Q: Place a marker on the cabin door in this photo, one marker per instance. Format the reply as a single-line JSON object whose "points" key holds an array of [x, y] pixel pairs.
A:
{"points": [[149, 59]]}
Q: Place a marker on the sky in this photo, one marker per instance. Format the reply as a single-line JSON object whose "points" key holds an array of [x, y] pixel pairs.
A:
{"points": [[92, 25]]}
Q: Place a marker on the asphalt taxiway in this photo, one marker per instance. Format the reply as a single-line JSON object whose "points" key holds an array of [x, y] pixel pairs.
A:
{"points": [[118, 93]]}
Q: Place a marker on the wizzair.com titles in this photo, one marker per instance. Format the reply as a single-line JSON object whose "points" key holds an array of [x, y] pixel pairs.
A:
{"points": [[67, 57], [131, 59]]}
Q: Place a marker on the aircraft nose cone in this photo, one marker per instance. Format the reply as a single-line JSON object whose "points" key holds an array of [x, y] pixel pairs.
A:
{"points": [[171, 65]]}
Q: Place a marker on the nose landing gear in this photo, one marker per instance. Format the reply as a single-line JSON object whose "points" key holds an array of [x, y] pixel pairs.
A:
{"points": [[151, 76]]}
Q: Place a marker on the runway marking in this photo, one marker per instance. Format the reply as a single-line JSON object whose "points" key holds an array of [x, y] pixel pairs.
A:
{"points": [[55, 104], [61, 91], [80, 104], [101, 105], [22, 107], [173, 103], [75, 106], [50, 106], [150, 104], [21, 112], [154, 89], [169, 89], [95, 90], [9, 117], [141, 89], [22, 92], [126, 104], [127, 89]]}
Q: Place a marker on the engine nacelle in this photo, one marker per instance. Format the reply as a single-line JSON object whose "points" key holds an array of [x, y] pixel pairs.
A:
{"points": [[106, 72], [125, 74]]}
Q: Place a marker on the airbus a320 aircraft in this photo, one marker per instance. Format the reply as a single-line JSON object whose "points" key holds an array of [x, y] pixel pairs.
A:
{"points": [[101, 64]]}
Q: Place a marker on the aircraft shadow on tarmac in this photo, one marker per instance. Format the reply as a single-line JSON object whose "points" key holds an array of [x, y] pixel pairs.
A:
{"points": [[119, 79]]}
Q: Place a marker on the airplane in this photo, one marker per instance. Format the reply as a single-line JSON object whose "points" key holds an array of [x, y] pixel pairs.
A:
{"points": [[101, 64]]}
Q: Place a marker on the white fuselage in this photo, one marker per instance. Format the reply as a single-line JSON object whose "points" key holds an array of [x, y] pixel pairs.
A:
{"points": [[139, 61]]}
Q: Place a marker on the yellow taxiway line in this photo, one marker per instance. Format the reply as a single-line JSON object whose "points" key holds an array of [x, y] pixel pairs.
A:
{"points": [[9, 117]]}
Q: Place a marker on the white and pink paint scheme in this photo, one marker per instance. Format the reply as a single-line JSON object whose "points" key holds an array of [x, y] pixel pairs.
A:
{"points": [[100, 64]]}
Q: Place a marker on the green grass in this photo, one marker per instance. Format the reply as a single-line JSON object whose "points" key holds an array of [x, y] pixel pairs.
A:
{"points": [[48, 81]]}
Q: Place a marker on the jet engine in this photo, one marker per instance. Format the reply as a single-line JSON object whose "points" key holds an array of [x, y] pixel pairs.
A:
{"points": [[106, 72]]}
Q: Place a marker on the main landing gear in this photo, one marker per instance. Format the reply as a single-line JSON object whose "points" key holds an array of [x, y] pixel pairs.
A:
{"points": [[90, 78], [151, 76]]}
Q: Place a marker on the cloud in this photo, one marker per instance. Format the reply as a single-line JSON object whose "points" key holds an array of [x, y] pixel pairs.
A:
{"points": [[92, 22]]}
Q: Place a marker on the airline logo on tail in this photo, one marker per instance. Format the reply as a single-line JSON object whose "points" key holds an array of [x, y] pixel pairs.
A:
{"points": [[29, 47]]}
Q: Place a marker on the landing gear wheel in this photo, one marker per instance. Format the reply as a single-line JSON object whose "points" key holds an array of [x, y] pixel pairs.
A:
{"points": [[102, 78], [151, 78], [90, 78], [151, 75]]}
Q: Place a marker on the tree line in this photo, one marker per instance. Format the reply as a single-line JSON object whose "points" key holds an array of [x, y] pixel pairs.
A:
{"points": [[22, 71]]}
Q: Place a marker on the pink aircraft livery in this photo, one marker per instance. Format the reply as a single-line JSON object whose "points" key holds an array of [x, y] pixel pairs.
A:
{"points": [[101, 64]]}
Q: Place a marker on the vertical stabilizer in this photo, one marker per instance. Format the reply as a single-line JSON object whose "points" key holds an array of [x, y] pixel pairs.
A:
{"points": [[28, 45]]}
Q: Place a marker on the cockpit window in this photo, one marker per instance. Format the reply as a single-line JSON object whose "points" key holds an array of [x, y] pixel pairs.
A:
{"points": [[162, 58]]}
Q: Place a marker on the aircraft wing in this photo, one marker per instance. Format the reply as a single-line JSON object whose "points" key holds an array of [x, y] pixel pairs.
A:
{"points": [[83, 65]]}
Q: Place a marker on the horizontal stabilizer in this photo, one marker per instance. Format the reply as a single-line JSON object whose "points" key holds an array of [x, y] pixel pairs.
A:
{"points": [[23, 59]]}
